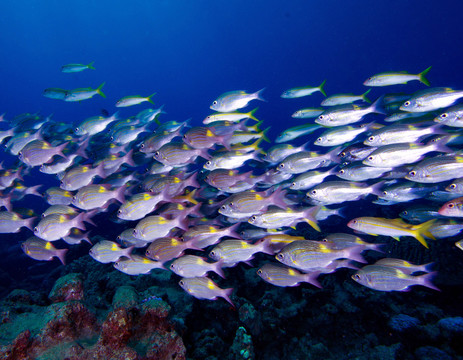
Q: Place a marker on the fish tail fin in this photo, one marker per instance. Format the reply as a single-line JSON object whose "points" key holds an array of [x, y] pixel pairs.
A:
{"points": [[333, 155], [255, 127], [183, 223], [341, 212], [128, 252], [204, 154], [354, 253], [264, 134], [79, 221], [82, 146], [231, 231], [422, 230], [258, 95], [218, 268], [255, 144], [100, 171], [61, 254], [426, 280], [422, 76], [224, 140], [278, 198], [364, 96], [192, 181], [128, 158], [441, 145], [29, 223], [90, 66], [378, 106], [60, 148], [311, 278], [98, 90], [149, 98], [321, 87], [226, 293], [120, 194], [309, 217], [251, 114]]}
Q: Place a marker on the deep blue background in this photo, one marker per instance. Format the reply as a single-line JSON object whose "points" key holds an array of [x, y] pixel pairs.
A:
{"points": [[189, 51]]}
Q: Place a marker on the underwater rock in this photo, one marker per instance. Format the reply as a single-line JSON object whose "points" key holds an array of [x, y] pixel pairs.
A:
{"points": [[19, 296], [125, 297], [251, 318], [431, 353], [242, 348], [452, 324], [19, 349], [116, 329], [165, 345], [68, 287], [403, 322], [68, 321]]}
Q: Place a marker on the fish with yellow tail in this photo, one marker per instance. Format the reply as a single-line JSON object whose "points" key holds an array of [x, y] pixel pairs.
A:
{"points": [[393, 227], [387, 278]]}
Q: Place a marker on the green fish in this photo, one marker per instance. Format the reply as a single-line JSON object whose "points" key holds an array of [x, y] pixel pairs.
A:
{"points": [[84, 93], [134, 100], [73, 68]]}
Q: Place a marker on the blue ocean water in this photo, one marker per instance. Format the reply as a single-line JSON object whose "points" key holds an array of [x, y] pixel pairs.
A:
{"points": [[189, 52]]}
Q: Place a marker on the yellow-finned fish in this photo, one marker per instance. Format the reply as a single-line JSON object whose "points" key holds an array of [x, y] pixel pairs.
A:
{"points": [[393, 227]]}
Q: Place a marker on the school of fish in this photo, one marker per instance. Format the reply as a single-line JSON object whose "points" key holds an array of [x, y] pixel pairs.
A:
{"points": [[211, 198]]}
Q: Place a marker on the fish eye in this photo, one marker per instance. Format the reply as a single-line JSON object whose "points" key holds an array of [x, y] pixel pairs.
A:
{"points": [[181, 282], [74, 198], [341, 171], [412, 173], [118, 238], [171, 266], [212, 253], [405, 212], [156, 153], [280, 256], [231, 204], [253, 218], [371, 138], [319, 139], [356, 277], [36, 229], [184, 136], [452, 186], [451, 205], [325, 240], [119, 212], [281, 166], [223, 207], [313, 192], [20, 153], [208, 163], [370, 158], [134, 232], [444, 115], [142, 146], [293, 184], [215, 102], [343, 154], [407, 103], [111, 138], [259, 271], [384, 192], [354, 221]]}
